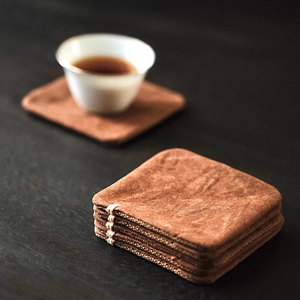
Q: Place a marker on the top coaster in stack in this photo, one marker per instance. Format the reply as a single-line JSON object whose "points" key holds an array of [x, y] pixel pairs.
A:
{"points": [[194, 216]]}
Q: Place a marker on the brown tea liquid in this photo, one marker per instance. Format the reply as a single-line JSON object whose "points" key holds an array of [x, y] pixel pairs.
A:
{"points": [[105, 65]]}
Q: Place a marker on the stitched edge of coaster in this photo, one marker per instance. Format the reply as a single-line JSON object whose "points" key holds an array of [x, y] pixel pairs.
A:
{"points": [[110, 223]]}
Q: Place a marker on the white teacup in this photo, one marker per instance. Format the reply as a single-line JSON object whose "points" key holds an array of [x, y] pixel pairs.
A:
{"points": [[98, 93]]}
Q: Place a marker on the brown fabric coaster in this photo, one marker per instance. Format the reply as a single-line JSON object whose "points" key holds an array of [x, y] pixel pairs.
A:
{"points": [[194, 202], [200, 202], [152, 105]]}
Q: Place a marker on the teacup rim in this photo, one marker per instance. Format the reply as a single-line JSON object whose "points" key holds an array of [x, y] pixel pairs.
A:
{"points": [[69, 66]]}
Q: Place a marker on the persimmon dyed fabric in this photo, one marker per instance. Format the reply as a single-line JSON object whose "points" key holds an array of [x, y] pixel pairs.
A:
{"points": [[189, 214], [152, 105]]}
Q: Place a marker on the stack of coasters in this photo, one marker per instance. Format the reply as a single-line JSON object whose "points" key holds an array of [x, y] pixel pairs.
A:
{"points": [[189, 214], [152, 105]]}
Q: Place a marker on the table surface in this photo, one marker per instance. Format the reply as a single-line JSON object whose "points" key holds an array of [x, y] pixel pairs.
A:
{"points": [[237, 66]]}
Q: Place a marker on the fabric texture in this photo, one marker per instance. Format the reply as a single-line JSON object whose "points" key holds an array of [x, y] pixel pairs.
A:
{"points": [[192, 215], [152, 105]]}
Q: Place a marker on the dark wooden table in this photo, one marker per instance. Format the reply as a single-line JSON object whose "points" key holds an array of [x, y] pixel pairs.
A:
{"points": [[239, 69]]}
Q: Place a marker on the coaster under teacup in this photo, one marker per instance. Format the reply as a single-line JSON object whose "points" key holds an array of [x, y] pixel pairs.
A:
{"points": [[152, 105]]}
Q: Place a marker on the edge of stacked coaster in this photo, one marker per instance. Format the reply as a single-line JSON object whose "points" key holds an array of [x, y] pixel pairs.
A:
{"points": [[191, 215], [196, 266]]}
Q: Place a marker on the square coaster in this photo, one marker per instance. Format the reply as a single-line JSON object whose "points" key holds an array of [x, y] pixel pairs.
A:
{"points": [[152, 105], [194, 216]]}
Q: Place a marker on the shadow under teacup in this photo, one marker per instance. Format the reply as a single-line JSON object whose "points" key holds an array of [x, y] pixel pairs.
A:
{"points": [[104, 71]]}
